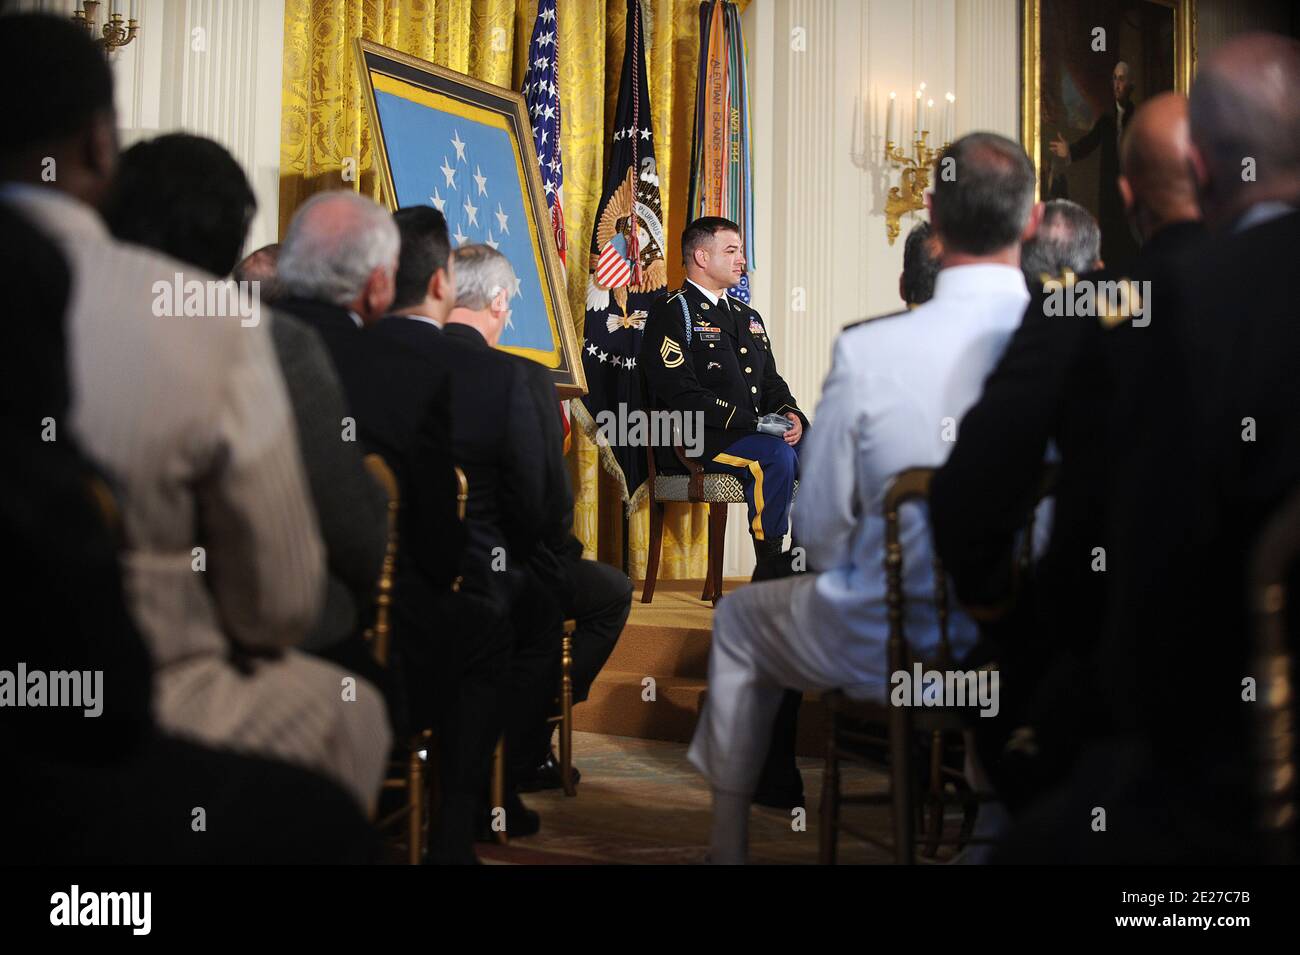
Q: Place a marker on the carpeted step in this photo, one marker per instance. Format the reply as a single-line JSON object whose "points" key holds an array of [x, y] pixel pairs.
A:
{"points": [[660, 651], [616, 706], [669, 641]]}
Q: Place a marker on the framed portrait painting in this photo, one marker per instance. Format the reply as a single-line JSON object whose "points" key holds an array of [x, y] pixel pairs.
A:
{"points": [[1086, 66], [466, 148]]}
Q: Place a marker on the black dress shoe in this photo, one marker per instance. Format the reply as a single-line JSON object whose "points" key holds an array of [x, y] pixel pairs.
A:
{"points": [[548, 776], [520, 821]]}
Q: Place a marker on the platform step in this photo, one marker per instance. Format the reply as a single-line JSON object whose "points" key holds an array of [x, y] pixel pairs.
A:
{"points": [[662, 651], [615, 706]]}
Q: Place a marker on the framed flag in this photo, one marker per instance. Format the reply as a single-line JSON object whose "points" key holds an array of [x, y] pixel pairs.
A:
{"points": [[466, 148]]}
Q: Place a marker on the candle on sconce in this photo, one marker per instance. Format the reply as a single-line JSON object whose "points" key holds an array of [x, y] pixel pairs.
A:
{"points": [[891, 119], [135, 10], [916, 116], [949, 117], [929, 111]]}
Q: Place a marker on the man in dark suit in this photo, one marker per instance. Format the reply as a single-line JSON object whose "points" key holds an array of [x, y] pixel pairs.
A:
{"points": [[1049, 397], [1211, 403], [561, 585], [1117, 244], [498, 438], [336, 273]]}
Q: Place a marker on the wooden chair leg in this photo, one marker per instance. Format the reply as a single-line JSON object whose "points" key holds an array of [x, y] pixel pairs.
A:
{"points": [[656, 544], [900, 784], [717, 548], [830, 809], [566, 714], [934, 827], [415, 794], [707, 592], [498, 785]]}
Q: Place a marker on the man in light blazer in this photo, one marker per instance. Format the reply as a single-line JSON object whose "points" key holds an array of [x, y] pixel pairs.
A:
{"points": [[898, 386], [189, 416]]}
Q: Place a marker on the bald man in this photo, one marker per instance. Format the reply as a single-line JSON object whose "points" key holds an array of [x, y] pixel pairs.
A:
{"points": [[1213, 408], [1052, 389]]}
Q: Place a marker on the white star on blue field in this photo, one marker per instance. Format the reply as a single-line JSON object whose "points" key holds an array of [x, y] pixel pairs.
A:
{"points": [[467, 171]]}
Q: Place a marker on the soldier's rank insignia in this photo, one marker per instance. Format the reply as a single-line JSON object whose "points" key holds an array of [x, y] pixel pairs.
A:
{"points": [[671, 353]]}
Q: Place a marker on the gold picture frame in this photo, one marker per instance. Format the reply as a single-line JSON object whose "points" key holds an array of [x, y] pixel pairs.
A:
{"points": [[1184, 59], [431, 93]]}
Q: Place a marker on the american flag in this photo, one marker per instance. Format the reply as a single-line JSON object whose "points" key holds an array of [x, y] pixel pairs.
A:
{"points": [[542, 95]]}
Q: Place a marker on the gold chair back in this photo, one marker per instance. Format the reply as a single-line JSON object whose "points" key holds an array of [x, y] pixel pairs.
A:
{"points": [[910, 485], [462, 499], [1275, 554], [379, 635]]}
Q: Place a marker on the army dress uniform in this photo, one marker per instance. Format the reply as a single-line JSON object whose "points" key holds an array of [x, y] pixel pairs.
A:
{"points": [[712, 356]]}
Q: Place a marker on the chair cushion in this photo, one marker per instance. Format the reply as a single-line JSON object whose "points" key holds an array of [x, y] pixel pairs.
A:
{"points": [[718, 488]]}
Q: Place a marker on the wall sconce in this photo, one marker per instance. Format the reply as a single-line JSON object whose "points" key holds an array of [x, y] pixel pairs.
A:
{"points": [[909, 195], [115, 34]]}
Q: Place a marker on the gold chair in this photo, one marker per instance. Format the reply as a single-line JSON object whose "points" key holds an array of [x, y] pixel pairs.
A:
{"points": [[1274, 556], [564, 718], [565, 700], [696, 486], [407, 772], [853, 726]]}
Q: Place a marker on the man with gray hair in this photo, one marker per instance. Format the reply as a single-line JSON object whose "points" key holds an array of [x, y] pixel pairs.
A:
{"points": [[1054, 388], [1212, 415], [462, 681], [1067, 238], [341, 250], [897, 387], [336, 274]]}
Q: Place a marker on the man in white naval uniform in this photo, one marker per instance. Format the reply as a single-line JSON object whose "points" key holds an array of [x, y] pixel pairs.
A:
{"points": [[894, 397]]}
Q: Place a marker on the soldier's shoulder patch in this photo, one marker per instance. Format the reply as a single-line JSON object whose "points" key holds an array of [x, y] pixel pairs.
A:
{"points": [[873, 318], [671, 353]]}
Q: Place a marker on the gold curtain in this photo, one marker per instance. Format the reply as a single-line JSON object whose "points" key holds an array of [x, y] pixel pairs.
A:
{"points": [[325, 144]]}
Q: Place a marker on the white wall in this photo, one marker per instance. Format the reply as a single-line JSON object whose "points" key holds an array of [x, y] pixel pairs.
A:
{"points": [[208, 67], [820, 186]]}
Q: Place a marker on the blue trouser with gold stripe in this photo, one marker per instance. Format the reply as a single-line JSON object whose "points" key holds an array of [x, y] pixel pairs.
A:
{"points": [[766, 467]]}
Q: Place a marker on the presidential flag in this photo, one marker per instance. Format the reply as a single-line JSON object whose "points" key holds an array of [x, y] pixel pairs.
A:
{"points": [[627, 266], [542, 96]]}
